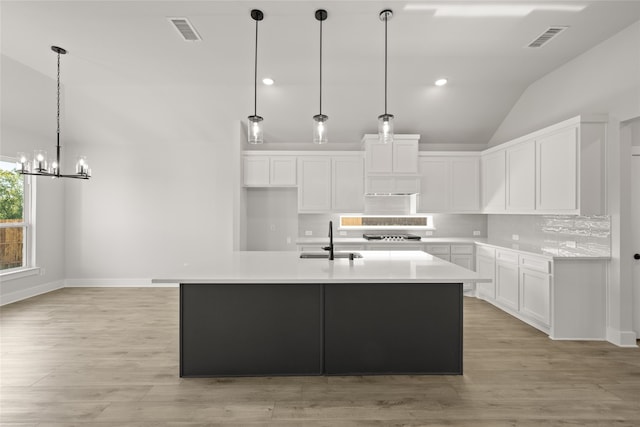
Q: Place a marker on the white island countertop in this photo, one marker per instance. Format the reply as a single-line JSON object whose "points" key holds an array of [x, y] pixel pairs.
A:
{"points": [[287, 267]]}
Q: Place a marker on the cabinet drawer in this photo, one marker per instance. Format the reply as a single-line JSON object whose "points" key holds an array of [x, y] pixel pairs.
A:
{"points": [[485, 251], [437, 249], [506, 256], [462, 249], [537, 264]]}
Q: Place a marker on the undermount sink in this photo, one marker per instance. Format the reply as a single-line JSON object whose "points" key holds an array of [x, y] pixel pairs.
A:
{"points": [[325, 255]]}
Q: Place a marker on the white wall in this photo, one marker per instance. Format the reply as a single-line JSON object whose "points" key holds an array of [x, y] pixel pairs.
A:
{"points": [[605, 79], [164, 187], [28, 122]]}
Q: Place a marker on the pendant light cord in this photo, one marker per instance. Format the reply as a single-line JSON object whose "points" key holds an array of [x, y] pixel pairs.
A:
{"points": [[255, 76], [58, 121], [320, 67], [385, 65]]}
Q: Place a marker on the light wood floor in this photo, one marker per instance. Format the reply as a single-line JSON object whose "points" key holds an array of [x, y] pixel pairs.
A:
{"points": [[109, 357]]}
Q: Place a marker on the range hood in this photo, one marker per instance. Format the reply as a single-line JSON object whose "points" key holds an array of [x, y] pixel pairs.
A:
{"points": [[390, 203]]}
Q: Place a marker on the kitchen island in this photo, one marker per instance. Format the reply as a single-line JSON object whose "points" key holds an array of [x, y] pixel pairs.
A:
{"points": [[272, 313]]}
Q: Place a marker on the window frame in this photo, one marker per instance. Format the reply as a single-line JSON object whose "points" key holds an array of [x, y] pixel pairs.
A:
{"points": [[29, 230]]}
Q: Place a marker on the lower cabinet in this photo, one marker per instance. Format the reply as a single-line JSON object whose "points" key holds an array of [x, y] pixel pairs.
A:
{"points": [[523, 284], [507, 289], [486, 266], [535, 293]]}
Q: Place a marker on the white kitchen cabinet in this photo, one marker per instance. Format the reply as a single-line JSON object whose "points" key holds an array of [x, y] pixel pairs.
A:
{"points": [[347, 183], [441, 251], [507, 277], [493, 169], [392, 184], [269, 171], [434, 195], [520, 177], [397, 157], [535, 294], [448, 183], [405, 156], [314, 184], [465, 184], [486, 267], [556, 170]]}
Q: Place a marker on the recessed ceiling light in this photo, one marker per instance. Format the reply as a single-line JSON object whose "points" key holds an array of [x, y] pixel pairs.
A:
{"points": [[268, 81], [441, 82]]}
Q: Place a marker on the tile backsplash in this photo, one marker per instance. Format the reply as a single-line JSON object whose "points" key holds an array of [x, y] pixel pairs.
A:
{"points": [[585, 234], [589, 234]]}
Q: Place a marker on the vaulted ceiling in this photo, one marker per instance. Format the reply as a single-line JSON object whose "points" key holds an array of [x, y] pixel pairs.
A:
{"points": [[479, 46]]}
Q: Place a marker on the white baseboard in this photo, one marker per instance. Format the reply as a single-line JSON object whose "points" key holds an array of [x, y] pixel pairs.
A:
{"points": [[31, 292], [622, 338], [116, 283]]}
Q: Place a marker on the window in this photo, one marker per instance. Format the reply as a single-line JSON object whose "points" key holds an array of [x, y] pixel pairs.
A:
{"points": [[16, 230]]}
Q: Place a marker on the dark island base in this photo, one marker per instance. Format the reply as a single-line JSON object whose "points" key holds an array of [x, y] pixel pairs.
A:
{"points": [[320, 329]]}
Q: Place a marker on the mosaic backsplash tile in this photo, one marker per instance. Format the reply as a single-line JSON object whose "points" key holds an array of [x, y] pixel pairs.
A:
{"points": [[587, 234]]}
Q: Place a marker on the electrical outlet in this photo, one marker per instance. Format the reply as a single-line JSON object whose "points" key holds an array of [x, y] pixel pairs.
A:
{"points": [[572, 244], [43, 271], [343, 233], [288, 240], [272, 227], [308, 233], [428, 233], [476, 232], [515, 237]]}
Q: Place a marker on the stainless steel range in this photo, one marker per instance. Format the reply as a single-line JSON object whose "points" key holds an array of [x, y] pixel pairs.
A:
{"points": [[391, 237]]}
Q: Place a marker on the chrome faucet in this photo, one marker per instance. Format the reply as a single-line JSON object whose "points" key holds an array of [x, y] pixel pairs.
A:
{"points": [[330, 247]]}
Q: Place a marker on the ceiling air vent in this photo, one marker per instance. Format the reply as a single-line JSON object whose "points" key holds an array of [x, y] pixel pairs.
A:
{"points": [[547, 36], [186, 29]]}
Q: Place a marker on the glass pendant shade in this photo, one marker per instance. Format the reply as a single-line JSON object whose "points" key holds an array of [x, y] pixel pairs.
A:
{"points": [[254, 130], [385, 128], [40, 161], [320, 129], [23, 163]]}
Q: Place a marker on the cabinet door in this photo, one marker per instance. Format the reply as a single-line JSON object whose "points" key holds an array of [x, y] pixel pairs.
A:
{"points": [[535, 293], [406, 184], [521, 177], [282, 170], [314, 184], [405, 156], [557, 160], [435, 184], [493, 181], [465, 261], [486, 267], [465, 184], [255, 171], [378, 157], [348, 184], [507, 291], [381, 184]]}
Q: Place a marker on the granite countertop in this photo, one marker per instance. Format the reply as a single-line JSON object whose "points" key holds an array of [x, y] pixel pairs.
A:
{"points": [[287, 267], [361, 240], [553, 253]]}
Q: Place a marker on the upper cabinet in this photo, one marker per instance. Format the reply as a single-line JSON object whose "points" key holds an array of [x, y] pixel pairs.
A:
{"points": [[393, 167], [331, 183], [397, 157], [260, 170], [449, 182], [493, 167], [557, 170], [520, 179]]}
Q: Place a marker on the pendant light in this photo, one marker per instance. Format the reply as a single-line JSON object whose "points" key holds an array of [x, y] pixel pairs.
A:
{"points": [[40, 165], [320, 125], [385, 121], [254, 128]]}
